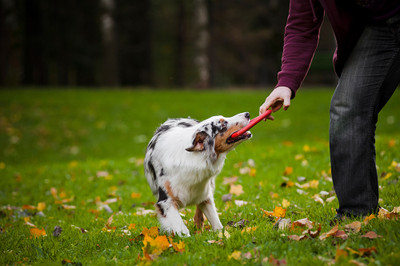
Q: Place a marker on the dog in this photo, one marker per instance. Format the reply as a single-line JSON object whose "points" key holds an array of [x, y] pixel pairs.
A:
{"points": [[182, 161]]}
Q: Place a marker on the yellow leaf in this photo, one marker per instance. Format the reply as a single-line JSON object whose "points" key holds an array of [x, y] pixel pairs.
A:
{"points": [[152, 232], [236, 190], [41, 206], [179, 247], [278, 212], [306, 148], [235, 255], [73, 164], [274, 195], [2, 165], [314, 183], [369, 218], [285, 203], [252, 172], [36, 232], [386, 176], [135, 195]]}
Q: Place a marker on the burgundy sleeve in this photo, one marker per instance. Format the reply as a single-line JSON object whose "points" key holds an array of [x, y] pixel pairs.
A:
{"points": [[300, 42]]}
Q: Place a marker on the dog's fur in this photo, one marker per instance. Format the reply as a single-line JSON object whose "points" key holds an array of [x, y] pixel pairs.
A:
{"points": [[182, 160]]}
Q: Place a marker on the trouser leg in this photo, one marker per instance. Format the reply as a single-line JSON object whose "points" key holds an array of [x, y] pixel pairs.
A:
{"points": [[369, 78]]}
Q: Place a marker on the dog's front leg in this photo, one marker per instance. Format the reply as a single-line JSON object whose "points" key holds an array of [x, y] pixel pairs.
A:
{"points": [[209, 210], [170, 219]]}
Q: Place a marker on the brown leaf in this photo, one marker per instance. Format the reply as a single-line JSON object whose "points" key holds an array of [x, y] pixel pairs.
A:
{"points": [[302, 223], [367, 251], [371, 235], [341, 234], [297, 238], [332, 232], [354, 227]]}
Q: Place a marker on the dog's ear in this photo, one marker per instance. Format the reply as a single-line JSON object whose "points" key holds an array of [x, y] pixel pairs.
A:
{"points": [[199, 140], [203, 142]]}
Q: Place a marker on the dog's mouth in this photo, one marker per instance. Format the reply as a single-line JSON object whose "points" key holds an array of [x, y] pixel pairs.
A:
{"points": [[244, 136]]}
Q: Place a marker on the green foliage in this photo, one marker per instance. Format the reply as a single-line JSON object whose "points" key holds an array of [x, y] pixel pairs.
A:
{"points": [[88, 145]]}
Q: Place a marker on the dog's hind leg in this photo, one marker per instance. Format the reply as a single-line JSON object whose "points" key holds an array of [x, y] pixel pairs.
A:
{"points": [[208, 208], [170, 219], [199, 217]]}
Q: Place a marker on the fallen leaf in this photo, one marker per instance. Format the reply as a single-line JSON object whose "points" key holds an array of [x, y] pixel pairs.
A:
{"points": [[288, 171], [240, 203], [178, 247], [152, 232], [340, 253], [57, 231], [353, 227], [247, 255], [371, 235], [331, 232], [236, 190], [226, 197], [368, 218], [330, 199], [278, 212], [28, 207], [305, 222], [367, 251], [230, 180], [318, 199], [285, 203], [41, 206], [297, 238], [219, 242], [135, 195], [235, 255], [341, 234], [36, 232]]}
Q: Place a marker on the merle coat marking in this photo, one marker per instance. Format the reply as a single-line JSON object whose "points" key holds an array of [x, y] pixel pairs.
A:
{"points": [[182, 160]]}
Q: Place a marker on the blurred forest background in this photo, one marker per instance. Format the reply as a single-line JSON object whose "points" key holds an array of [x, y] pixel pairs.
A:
{"points": [[152, 43]]}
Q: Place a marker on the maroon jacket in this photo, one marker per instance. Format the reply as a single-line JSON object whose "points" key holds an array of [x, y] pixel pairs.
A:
{"points": [[302, 35]]}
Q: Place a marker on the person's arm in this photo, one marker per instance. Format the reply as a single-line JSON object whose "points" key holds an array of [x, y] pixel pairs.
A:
{"points": [[300, 42]]}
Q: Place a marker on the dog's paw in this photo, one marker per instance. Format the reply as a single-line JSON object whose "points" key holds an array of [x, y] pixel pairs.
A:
{"points": [[183, 232]]}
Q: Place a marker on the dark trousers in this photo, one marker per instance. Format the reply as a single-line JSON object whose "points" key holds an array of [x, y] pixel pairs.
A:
{"points": [[368, 80]]}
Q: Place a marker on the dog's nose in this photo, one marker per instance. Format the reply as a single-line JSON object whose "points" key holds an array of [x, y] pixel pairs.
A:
{"points": [[247, 115]]}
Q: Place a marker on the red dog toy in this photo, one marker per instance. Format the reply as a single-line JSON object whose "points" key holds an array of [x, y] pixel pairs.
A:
{"points": [[251, 124]]}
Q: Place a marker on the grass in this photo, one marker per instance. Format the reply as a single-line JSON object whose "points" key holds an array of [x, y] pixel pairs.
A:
{"points": [[85, 147]]}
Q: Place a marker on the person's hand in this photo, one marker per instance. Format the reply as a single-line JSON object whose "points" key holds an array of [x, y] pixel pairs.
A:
{"points": [[279, 97]]}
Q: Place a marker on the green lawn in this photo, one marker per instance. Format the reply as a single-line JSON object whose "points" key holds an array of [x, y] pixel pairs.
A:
{"points": [[72, 158]]}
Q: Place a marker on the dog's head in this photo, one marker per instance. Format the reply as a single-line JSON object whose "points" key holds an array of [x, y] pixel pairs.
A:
{"points": [[213, 135]]}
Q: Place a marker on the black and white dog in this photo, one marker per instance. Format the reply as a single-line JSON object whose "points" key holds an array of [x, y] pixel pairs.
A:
{"points": [[181, 163]]}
